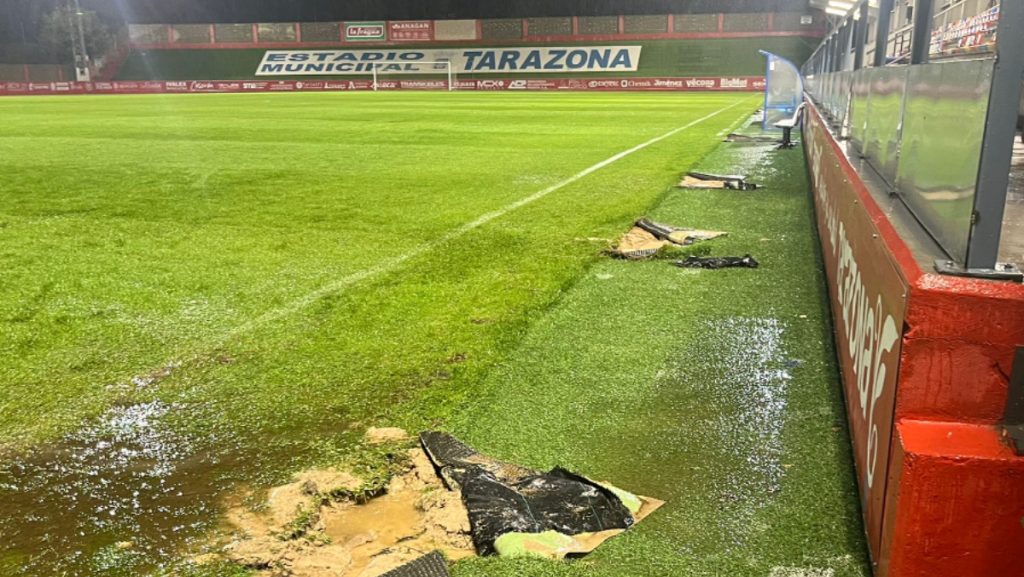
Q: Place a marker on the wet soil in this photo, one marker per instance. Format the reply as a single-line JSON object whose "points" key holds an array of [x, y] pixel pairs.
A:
{"points": [[415, 516]]}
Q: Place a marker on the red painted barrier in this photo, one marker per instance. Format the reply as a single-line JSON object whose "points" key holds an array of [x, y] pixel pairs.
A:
{"points": [[942, 494], [869, 302], [740, 83]]}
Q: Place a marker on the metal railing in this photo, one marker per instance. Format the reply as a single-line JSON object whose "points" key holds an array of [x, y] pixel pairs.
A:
{"points": [[931, 102]]}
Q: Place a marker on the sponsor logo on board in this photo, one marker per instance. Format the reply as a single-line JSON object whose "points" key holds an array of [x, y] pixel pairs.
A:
{"points": [[700, 83], [411, 31], [364, 31], [733, 83]]}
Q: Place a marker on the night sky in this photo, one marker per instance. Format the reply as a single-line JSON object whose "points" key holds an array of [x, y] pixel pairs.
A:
{"points": [[19, 19]]}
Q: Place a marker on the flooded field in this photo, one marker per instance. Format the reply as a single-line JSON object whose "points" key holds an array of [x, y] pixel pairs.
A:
{"points": [[495, 317]]}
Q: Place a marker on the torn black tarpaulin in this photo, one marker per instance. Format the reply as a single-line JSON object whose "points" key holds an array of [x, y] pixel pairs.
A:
{"points": [[726, 181], [504, 498], [430, 565], [718, 262]]}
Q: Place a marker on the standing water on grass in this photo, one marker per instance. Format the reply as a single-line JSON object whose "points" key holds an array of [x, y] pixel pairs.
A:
{"points": [[126, 493]]}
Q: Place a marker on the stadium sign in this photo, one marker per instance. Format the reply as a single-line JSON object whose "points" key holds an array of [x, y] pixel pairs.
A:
{"points": [[364, 31], [574, 59]]}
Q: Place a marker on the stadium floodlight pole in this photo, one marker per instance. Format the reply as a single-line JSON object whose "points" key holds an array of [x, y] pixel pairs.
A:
{"points": [[81, 54]]}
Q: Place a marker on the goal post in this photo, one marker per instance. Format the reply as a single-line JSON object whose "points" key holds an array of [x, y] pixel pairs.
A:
{"points": [[420, 69]]}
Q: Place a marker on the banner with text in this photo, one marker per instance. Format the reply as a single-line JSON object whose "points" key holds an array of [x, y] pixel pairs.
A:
{"points": [[365, 32], [869, 308], [575, 59], [411, 30], [735, 83]]}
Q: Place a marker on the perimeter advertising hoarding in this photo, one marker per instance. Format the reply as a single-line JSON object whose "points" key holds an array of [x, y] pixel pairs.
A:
{"points": [[869, 300], [475, 60], [411, 30], [365, 32], [660, 84]]}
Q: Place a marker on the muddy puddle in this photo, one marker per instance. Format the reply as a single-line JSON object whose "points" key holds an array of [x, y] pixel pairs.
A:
{"points": [[309, 528], [126, 493]]}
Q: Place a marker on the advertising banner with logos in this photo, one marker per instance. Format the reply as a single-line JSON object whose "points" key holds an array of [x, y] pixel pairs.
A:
{"points": [[869, 307], [742, 83], [476, 60], [411, 30], [365, 32]]}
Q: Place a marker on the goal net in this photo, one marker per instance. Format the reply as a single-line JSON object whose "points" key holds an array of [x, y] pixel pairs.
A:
{"points": [[436, 75]]}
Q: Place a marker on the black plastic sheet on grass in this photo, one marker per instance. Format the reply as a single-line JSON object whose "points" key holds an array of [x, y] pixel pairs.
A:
{"points": [[503, 498], [718, 262], [431, 565]]}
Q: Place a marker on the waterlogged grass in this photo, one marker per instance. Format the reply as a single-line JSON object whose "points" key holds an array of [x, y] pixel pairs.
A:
{"points": [[714, 390], [140, 232], [257, 279]]}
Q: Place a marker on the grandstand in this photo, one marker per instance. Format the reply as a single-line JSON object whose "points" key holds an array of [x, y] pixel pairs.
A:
{"points": [[688, 44]]}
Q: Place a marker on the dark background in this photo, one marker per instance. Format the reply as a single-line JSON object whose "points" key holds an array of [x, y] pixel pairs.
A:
{"points": [[19, 19]]}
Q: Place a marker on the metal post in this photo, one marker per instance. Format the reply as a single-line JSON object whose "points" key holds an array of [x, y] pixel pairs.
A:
{"points": [[844, 45], [833, 53], [861, 40], [840, 40], [1013, 422], [849, 32], [997, 147], [882, 33], [826, 56], [921, 41], [837, 50]]}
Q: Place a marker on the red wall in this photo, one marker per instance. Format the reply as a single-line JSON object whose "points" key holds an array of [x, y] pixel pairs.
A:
{"points": [[952, 500]]}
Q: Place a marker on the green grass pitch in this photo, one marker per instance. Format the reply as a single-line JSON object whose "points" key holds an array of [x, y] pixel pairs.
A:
{"points": [[284, 271]]}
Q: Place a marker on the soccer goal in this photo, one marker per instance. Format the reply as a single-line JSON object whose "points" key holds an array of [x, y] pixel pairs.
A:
{"points": [[436, 75]]}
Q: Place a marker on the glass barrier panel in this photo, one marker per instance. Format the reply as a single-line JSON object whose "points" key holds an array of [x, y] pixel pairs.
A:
{"points": [[860, 94], [885, 113], [943, 130]]}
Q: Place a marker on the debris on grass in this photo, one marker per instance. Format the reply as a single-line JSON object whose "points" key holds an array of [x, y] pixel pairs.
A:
{"points": [[718, 262], [677, 235], [647, 239], [432, 565], [444, 497], [716, 181], [516, 511], [331, 522]]}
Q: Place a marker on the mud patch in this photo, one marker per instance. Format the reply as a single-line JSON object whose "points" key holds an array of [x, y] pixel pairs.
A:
{"points": [[314, 527]]}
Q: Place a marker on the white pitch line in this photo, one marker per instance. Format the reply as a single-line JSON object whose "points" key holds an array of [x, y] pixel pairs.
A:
{"points": [[389, 264]]}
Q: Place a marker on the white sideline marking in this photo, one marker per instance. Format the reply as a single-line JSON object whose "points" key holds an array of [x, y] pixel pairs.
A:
{"points": [[387, 265]]}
